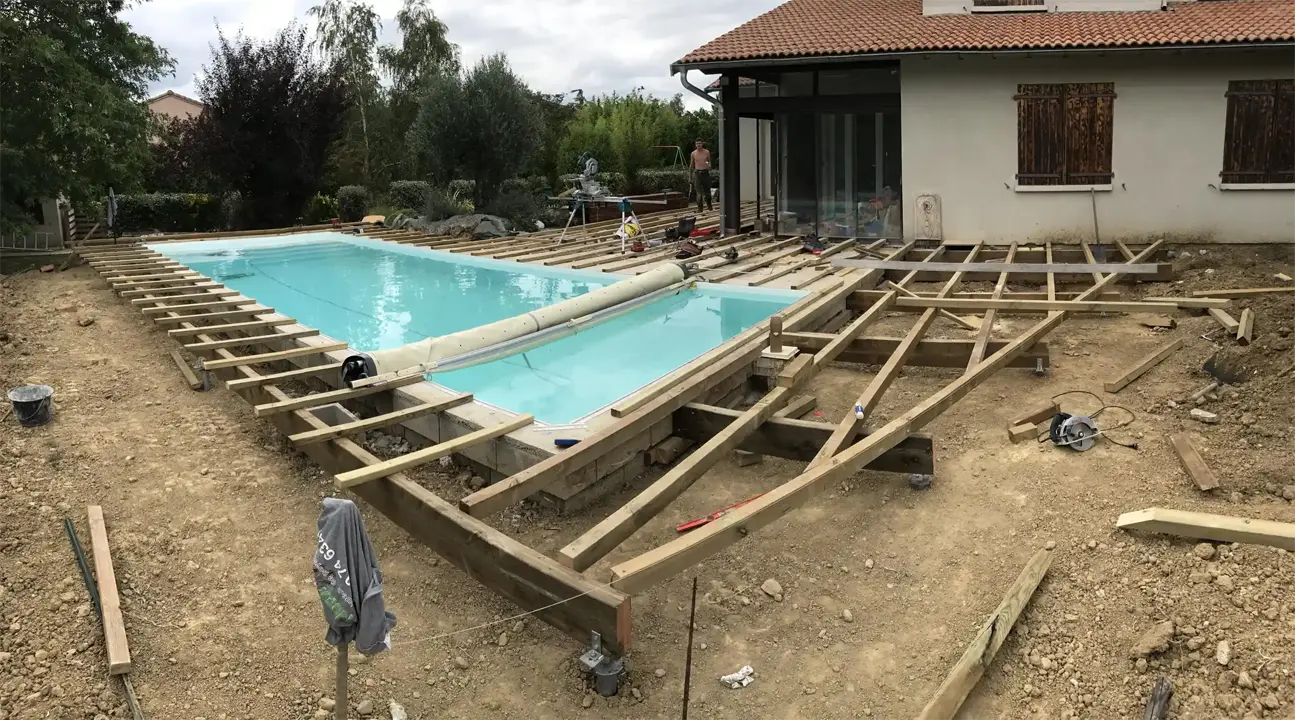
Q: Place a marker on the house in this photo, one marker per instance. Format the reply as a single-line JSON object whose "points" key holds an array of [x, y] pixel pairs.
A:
{"points": [[171, 105], [1012, 120]]}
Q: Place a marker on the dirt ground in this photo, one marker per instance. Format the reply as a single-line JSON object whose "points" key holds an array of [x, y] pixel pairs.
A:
{"points": [[212, 526]]}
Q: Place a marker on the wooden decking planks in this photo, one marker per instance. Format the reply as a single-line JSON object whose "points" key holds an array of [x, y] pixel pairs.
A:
{"points": [[230, 327], [378, 422], [296, 374], [428, 454], [332, 396], [114, 626], [249, 339], [272, 356], [1155, 357], [1195, 466]]}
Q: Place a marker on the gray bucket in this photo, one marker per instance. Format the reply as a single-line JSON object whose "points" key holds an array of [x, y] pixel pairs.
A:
{"points": [[33, 404]]}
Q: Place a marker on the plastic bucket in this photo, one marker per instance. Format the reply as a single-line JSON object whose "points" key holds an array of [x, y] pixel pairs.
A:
{"points": [[33, 404]]}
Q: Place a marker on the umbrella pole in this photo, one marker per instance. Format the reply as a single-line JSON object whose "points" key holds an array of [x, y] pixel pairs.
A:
{"points": [[339, 709]]}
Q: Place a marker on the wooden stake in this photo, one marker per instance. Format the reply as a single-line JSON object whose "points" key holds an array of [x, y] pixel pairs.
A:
{"points": [[378, 422], [1222, 528], [1142, 366], [114, 627], [1246, 327], [1196, 468], [426, 455], [980, 654]]}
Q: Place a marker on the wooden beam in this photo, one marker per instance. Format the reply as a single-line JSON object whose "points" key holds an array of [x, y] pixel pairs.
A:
{"points": [[1204, 526], [230, 327], [378, 422], [1241, 292], [1139, 368], [998, 267], [198, 285], [1228, 322], [1020, 433], [1050, 305], [987, 324], [980, 654], [428, 454], [114, 627], [249, 340], [1044, 411], [178, 319], [941, 352], [206, 294], [189, 307], [297, 374], [332, 396], [133, 280], [965, 323], [794, 439], [272, 356], [1246, 327], [186, 370], [1192, 462], [1052, 277], [685, 551], [130, 273]]}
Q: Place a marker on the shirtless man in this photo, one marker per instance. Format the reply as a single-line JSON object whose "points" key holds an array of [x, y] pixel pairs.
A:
{"points": [[700, 161]]}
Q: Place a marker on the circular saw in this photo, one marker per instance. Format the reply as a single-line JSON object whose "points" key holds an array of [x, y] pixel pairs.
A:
{"points": [[1077, 432]]}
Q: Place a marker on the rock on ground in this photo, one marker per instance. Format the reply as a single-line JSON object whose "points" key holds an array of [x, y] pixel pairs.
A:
{"points": [[1155, 640]]}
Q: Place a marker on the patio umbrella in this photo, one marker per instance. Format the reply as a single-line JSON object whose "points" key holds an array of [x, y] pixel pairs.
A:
{"points": [[350, 588]]}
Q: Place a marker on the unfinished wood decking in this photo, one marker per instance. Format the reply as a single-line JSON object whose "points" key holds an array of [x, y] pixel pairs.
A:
{"points": [[275, 350]]}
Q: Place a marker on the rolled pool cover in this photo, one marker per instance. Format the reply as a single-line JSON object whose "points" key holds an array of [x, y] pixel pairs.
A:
{"points": [[362, 365]]}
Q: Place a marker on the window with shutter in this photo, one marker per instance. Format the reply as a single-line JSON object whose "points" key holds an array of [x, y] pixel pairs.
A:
{"points": [[1259, 136], [1064, 133]]}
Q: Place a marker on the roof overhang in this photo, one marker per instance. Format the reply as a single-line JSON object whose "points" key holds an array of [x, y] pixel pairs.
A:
{"points": [[725, 66]]}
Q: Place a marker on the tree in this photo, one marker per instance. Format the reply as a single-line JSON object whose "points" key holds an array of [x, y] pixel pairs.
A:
{"points": [[622, 130], [424, 51], [273, 111], [346, 35], [482, 124], [178, 158], [72, 82]]}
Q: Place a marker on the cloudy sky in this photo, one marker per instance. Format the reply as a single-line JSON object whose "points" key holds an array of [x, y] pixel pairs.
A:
{"points": [[556, 45]]}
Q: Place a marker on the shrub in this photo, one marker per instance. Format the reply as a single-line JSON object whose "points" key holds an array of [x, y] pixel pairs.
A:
{"points": [[662, 180], [519, 207], [320, 209], [167, 212], [443, 203], [231, 210], [537, 185], [408, 193], [463, 188], [352, 201]]}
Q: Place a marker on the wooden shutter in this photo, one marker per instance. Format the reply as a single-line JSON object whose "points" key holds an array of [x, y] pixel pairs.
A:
{"points": [[1089, 128], [1281, 144], [1041, 139], [1249, 125]]}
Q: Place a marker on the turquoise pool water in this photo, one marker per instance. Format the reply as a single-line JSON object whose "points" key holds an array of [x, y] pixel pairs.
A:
{"points": [[377, 295]]}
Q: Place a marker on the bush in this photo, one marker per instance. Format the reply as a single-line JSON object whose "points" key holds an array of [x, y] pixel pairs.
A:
{"points": [[463, 188], [537, 185], [167, 212], [408, 193], [518, 207], [663, 180], [320, 209], [352, 201], [231, 210], [444, 203]]}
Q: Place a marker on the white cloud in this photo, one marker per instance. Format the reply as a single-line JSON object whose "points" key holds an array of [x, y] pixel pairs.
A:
{"points": [[597, 46]]}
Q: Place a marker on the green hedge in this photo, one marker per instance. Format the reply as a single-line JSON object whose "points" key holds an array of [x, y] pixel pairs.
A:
{"points": [[408, 193], [320, 209], [352, 201], [168, 212], [654, 181]]}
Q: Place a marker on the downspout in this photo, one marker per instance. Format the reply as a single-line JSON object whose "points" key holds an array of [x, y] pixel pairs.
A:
{"points": [[719, 119]]}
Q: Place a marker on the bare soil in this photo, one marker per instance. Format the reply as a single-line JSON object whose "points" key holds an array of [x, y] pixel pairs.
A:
{"points": [[212, 518]]}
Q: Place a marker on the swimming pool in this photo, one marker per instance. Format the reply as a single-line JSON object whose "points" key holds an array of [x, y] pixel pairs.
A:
{"points": [[378, 295]]}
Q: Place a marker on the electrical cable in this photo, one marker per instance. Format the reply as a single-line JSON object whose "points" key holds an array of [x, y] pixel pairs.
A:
{"points": [[1046, 434]]}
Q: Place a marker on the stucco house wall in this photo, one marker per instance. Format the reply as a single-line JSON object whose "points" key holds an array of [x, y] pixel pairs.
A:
{"points": [[171, 105], [960, 143]]}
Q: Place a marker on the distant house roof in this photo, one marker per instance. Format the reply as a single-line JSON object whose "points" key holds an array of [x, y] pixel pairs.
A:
{"points": [[174, 94], [824, 28]]}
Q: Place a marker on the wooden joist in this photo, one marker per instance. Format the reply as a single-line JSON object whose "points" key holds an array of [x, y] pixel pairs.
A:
{"points": [[1139, 368], [980, 654], [206, 294], [966, 323], [987, 324], [195, 286], [1228, 322], [1204, 526], [266, 339], [186, 370], [651, 567], [190, 307], [1241, 292], [114, 626], [297, 374], [428, 454], [332, 396], [1195, 466], [1131, 306], [272, 356], [177, 319], [378, 422], [230, 327], [135, 280], [999, 267], [930, 352], [1246, 327]]}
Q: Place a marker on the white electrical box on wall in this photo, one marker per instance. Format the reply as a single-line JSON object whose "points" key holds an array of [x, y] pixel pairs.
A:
{"points": [[928, 223]]}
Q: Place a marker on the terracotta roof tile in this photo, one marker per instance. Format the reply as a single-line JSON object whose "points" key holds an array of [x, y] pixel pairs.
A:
{"points": [[808, 28]]}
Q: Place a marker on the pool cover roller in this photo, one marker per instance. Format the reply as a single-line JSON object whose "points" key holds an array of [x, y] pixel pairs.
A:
{"points": [[381, 362]]}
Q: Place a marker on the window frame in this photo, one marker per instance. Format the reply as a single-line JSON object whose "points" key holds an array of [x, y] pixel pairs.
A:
{"points": [[1065, 136], [1279, 113]]}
